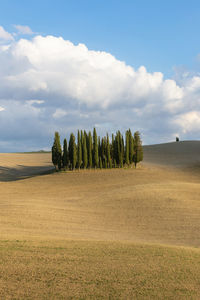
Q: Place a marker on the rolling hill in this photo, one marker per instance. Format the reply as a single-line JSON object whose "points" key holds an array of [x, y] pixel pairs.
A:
{"points": [[118, 234]]}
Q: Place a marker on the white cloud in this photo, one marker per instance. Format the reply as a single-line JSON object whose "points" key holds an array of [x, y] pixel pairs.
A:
{"points": [[59, 113], [58, 85], [23, 29], [4, 35], [2, 108], [35, 102], [189, 121]]}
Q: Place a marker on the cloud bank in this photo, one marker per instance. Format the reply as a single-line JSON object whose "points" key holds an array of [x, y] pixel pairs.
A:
{"points": [[48, 84]]}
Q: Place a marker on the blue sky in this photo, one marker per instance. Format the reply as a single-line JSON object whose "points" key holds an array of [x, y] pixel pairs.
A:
{"points": [[162, 36], [158, 34]]}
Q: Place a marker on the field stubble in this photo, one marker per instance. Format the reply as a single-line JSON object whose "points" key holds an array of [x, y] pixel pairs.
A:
{"points": [[112, 216]]}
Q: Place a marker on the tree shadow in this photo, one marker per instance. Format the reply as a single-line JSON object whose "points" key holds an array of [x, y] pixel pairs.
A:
{"points": [[23, 172]]}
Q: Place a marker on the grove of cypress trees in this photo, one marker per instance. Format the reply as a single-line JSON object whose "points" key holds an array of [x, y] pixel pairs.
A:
{"points": [[91, 151], [65, 157], [57, 152], [95, 149], [79, 160]]}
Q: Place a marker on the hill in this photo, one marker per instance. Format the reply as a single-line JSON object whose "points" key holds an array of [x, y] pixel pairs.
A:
{"points": [[118, 234], [177, 154]]}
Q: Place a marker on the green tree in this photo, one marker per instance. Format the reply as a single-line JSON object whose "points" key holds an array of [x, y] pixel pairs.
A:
{"points": [[57, 152], [89, 150], [138, 151], [112, 149], [65, 157], [131, 147], [119, 149], [105, 163], [72, 151], [79, 161], [100, 163], [108, 152], [95, 149], [85, 154], [82, 143], [115, 164], [127, 149]]}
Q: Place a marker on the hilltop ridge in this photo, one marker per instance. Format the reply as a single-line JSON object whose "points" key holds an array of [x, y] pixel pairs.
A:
{"points": [[177, 154]]}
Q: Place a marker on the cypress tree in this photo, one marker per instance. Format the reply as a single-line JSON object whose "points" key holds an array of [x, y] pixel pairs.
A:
{"points": [[79, 161], [131, 147], [65, 158], [85, 154], [105, 163], [82, 144], [115, 150], [112, 150], [119, 142], [57, 152], [122, 149], [95, 149], [101, 151], [72, 151], [115, 164], [127, 149], [89, 150], [138, 151], [108, 152], [99, 146], [100, 163]]}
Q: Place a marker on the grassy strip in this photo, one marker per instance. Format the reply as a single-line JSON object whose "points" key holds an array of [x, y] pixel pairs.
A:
{"points": [[97, 270]]}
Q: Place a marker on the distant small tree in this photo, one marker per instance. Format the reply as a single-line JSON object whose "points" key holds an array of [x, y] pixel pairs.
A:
{"points": [[138, 151], [177, 139], [57, 152]]}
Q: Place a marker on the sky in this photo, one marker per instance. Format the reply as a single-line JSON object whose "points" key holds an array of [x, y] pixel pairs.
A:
{"points": [[68, 65]]}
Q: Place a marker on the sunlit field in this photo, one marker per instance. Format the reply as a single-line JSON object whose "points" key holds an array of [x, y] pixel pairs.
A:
{"points": [[117, 234]]}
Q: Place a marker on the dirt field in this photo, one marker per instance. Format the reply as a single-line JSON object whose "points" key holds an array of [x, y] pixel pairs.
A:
{"points": [[134, 210]]}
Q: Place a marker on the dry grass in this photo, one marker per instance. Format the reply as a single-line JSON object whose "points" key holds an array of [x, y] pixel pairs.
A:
{"points": [[97, 270], [111, 216], [146, 205]]}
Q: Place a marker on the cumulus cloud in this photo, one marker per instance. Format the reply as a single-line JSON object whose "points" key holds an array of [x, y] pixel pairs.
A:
{"points": [[21, 29], [4, 35], [189, 122], [56, 85]]}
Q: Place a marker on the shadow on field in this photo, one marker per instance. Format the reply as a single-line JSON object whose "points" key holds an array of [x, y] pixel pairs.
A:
{"points": [[23, 172]]}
